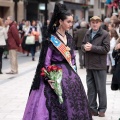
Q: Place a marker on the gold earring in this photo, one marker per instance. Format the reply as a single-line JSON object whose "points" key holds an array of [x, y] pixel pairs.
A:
{"points": [[54, 25]]}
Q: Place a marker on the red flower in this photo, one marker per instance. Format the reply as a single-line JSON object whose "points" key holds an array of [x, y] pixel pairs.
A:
{"points": [[43, 69], [43, 74], [49, 69], [59, 69], [54, 68]]}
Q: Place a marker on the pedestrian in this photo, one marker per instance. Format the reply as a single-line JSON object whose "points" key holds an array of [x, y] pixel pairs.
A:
{"points": [[110, 27], [105, 24], [96, 45], [39, 41], [26, 29], [110, 60], [33, 46], [117, 26], [43, 103], [115, 84], [6, 26], [20, 28], [79, 35], [3, 37], [13, 44]]}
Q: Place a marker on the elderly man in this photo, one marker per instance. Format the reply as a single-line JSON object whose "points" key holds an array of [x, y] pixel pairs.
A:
{"points": [[13, 44], [79, 35], [106, 23], [96, 45]]}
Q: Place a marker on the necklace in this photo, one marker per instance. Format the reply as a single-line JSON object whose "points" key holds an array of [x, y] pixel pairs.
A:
{"points": [[60, 34]]}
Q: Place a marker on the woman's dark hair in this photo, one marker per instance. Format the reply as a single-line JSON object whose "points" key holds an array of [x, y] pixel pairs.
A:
{"points": [[33, 22], [116, 22], [114, 34], [60, 13]]}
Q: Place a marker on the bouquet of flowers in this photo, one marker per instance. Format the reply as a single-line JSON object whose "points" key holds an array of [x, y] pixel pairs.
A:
{"points": [[54, 73]]}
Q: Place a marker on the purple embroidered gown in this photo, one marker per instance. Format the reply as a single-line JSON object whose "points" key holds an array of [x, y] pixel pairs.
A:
{"points": [[43, 103]]}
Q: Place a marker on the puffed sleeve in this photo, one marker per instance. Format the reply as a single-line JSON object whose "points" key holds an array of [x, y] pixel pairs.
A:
{"points": [[48, 55]]}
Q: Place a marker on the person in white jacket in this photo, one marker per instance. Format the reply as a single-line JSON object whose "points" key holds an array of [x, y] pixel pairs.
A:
{"points": [[3, 37], [110, 60]]}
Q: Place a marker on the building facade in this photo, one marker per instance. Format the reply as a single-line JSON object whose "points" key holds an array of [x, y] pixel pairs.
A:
{"points": [[7, 8], [42, 9]]}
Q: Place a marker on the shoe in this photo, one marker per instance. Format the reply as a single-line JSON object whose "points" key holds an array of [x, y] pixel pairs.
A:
{"points": [[1, 72], [94, 113], [101, 114], [33, 59], [11, 72], [27, 54], [5, 57]]}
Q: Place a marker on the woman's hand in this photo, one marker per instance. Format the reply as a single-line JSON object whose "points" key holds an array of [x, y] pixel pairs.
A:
{"points": [[51, 83], [117, 46]]}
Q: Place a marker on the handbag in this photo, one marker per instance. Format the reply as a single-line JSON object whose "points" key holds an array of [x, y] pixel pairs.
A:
{"points": [[30, 40]]}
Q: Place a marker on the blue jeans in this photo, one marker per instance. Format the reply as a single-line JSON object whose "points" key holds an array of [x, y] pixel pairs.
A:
{"points": [[33, 50]]}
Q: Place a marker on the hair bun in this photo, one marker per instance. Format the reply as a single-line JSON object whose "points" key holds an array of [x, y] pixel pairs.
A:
{"points": [[59, 8], [59, 11]]}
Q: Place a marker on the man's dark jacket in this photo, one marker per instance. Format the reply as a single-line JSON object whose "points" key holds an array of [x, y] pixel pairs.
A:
{"points": [[96, 57]]}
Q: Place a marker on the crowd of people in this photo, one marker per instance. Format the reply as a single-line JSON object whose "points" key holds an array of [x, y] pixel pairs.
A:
{"points": [[98, 44], [112, 26], [14, 37]]}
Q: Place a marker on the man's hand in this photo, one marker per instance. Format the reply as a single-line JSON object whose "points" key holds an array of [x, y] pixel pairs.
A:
{"points": [[88, 46]]}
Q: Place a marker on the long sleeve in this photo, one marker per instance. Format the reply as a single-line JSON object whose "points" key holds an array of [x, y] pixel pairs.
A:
{"points": [[15, 34], [5, 34], [104, 48], [48, 56], [112, 44]]}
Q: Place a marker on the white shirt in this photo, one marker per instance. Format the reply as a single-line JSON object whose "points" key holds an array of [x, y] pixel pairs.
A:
{"points": [[112, 44], [3, 36]]}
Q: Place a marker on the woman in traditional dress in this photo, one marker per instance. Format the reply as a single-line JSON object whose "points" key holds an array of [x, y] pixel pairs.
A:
{"points": [[43, 103]]}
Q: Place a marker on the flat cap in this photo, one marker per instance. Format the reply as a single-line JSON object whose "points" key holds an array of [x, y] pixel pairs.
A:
{"points": [[95, 18]]}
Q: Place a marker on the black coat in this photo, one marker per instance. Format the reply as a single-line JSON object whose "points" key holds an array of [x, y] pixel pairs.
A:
{"points": [[115, 85], [96, 58]]}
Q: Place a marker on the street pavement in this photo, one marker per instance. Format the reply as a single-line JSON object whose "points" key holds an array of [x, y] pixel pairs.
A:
{"points": [[14, 90]]}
